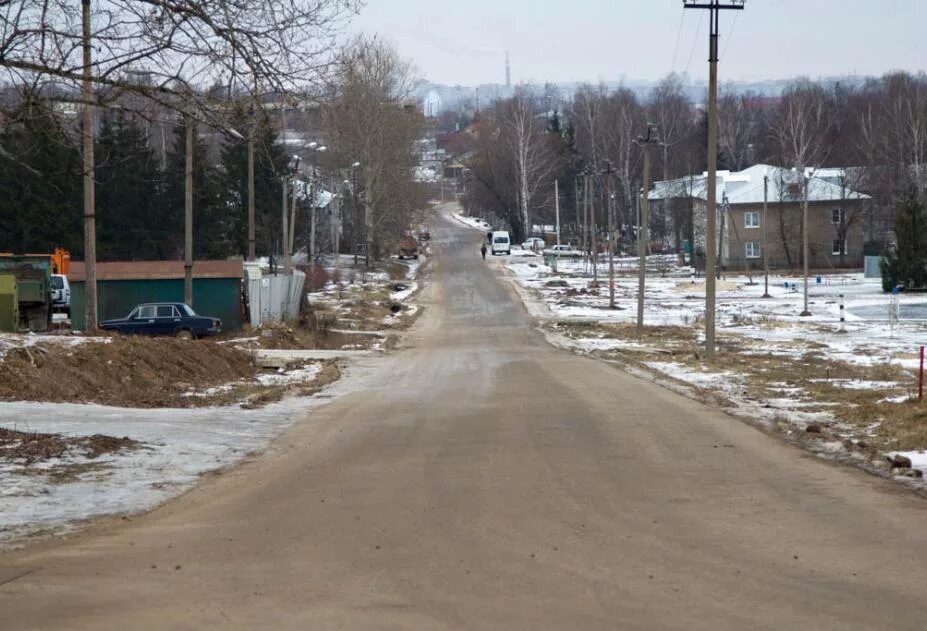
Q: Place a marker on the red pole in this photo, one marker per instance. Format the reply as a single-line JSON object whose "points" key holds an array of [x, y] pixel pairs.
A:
{"points": [[920, 384]]}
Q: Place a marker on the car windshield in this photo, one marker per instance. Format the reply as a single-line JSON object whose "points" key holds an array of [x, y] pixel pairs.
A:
{"points": [[186, 310], [57, 282], [501, 240]]}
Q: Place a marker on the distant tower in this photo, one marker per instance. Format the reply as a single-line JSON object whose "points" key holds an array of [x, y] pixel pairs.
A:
{"points": [[508, 71]]}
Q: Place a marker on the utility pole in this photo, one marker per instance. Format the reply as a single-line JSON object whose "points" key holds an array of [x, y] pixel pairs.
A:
{"points": [[643, 234], [714, 8], [292, 226], [590, 190], [609, 173], [90, 225], [765, 237], [188, 214], [804, 238], [557, 217], [313, 193], [251, 252], [285, 221]]}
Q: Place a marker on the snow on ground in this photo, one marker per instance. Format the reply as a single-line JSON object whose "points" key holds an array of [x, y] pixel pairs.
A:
{"points": [[404, 294], [178, 445], [10, 341], [472, 222], [760, 326]]}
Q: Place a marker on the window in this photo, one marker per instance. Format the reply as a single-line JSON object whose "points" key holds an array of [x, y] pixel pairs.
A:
{"points": [[146, 311], [836, 216], [752, 249], [752, 219], [166, 311], [840, 247], [501, 240]]}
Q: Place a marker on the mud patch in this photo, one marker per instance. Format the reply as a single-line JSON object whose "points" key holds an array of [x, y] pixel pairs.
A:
{"points": [[29, 448]]}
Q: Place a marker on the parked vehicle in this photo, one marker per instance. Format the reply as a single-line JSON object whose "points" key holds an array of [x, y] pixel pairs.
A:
{"points": [[408, 248], [535, 244], [501, 244], [33, 288], [564, 252], [60, 294], [164, 318], [424, 235]]}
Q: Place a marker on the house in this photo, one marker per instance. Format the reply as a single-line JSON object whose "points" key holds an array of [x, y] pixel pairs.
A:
{"points": [[835, 216]]}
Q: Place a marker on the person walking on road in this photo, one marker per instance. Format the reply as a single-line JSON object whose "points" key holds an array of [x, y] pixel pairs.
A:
{"points": [[483, 250]]}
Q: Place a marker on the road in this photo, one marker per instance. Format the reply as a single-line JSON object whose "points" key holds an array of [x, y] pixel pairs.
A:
{"points": [[480, 479]]}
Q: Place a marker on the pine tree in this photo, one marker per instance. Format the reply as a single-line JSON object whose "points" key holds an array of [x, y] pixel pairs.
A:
{"points": [[130, 221], [907, 264], [211, 227], [40, 183]]}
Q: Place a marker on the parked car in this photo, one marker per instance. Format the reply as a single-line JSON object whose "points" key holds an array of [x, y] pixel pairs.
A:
{"points": [[60, 294], [501, 244], [164, 318], [535, 244], [564, 252]]}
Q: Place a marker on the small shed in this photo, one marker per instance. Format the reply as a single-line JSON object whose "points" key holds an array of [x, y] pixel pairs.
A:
{"points": [[217, 288]]}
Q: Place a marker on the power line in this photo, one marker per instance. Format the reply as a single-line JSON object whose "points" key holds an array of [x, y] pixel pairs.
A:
{"points": [[730, 34], [682, 20], [698, 31]]}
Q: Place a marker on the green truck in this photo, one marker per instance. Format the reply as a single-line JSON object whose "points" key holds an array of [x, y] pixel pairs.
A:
{"points": [[27, 301]]}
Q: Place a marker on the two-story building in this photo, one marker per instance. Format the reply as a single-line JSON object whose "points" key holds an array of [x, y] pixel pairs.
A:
{"points": [[746, 230]]}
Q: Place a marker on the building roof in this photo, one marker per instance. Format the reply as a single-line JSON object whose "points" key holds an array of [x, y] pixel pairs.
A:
{"points": [[746, 187], [157, 270]]}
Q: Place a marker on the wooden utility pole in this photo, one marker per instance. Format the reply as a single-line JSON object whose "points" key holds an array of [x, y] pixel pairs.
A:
{"points": [[714, 8], [590, 189], [609, 174], [291, 242], [765, 237], [90, 226], [189, 124], [643, 234]]}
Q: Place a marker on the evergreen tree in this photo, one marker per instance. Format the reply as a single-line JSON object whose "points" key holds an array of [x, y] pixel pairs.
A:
{"points": [[211, 228], [269, 162], [130, 223], [907, 264], [40, 183]]}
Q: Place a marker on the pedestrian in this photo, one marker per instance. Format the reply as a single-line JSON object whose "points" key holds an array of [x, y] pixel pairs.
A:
{"points": [[483, 250]]}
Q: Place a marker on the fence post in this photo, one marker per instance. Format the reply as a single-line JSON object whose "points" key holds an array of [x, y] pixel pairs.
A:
{"points": [[920, 383], [842, 316]]}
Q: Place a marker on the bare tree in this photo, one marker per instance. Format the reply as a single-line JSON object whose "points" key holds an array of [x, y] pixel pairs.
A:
{"points": [[371, 121]]}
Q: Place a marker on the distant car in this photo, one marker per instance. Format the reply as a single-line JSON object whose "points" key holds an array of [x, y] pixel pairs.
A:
{"points": [[424, 235], [563, 251], [535, 244], [164, 318]]}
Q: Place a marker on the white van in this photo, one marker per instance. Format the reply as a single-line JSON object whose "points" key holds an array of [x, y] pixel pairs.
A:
{"points": [[501, 244]]}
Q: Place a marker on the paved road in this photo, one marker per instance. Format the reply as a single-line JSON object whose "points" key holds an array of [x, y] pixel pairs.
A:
{"points": [[482, 480]]}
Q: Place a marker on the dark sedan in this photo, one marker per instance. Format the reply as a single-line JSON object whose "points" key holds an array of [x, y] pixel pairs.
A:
{"points": [[164, 318]]}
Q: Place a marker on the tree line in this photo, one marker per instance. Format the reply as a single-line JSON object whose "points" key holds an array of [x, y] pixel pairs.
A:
{"points": [[522, 145]]}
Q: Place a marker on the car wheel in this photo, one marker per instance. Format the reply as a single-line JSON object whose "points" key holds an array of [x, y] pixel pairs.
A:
{"points": [[185, 334]]}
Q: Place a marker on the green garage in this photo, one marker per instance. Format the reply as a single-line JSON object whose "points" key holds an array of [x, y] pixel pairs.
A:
{"points": [[123, 284]]}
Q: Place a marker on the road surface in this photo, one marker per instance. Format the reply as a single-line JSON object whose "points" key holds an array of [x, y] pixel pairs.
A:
{"points": [[480, 479]]}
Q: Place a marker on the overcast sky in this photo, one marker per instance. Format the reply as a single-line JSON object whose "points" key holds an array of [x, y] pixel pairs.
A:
{"points": [[457, 42]]}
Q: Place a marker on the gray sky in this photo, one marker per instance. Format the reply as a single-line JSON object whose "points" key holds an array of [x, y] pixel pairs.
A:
{"points": [[457, 42]]}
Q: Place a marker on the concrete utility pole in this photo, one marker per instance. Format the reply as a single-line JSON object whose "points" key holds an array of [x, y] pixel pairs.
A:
{"points": [[643, 234], [285, 221], [765, 237], [609, 174], [90, 225], [590, 196], [557, 217], [251, 251], [714, 7], [190, 124], [804, 239]]}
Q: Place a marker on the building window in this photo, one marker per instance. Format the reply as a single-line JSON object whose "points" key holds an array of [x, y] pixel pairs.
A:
{"points": [[840, 247], [836, 216], [752, 219], [752, 249]]}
